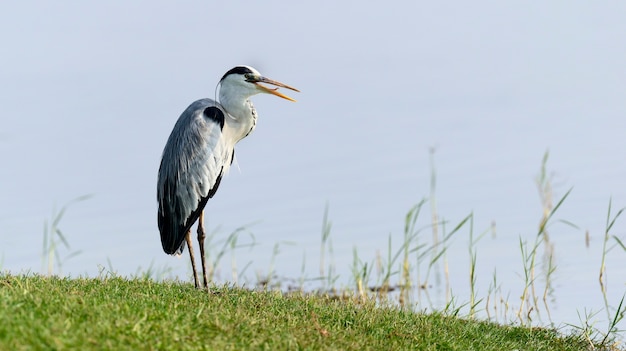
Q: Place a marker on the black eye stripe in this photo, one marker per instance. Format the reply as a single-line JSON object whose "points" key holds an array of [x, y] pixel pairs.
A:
{"points": [[238, 70]]}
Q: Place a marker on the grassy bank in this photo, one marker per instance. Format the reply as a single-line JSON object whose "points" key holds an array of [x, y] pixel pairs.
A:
{"points": [[38, 313]]}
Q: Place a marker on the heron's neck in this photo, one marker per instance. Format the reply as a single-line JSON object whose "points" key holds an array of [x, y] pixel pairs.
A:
{"points": [[241, 113]]}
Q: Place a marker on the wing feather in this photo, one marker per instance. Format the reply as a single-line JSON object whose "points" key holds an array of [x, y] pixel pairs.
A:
{"points": [[194, 160]]}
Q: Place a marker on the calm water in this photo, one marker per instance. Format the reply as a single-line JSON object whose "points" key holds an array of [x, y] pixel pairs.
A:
{"points": [[91, 93]]}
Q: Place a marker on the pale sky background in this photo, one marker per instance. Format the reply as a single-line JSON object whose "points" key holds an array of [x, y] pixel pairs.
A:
{"points": [[90, 91]]}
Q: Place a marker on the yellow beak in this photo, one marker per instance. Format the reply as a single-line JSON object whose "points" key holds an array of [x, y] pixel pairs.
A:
{"points": [[274, 91]]}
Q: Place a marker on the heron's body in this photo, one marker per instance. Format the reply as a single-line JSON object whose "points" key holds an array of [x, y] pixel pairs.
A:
{"points": [[202, 146], [199, 152]]}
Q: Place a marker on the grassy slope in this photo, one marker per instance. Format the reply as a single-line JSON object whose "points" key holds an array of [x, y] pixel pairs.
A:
{"points": [[116, 313]]}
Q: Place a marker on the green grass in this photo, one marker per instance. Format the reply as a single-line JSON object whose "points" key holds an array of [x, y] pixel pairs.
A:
{"points": [[113, 313]]}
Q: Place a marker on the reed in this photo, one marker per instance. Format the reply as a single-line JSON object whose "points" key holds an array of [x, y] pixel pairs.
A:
{"points": [[54, 239], [618, 314]]}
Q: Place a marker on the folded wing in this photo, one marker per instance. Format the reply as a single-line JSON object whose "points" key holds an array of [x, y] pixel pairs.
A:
{"points": [[194, 159]]}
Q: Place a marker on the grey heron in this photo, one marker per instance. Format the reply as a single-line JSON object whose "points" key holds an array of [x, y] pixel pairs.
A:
{"points": [[198, 153]]}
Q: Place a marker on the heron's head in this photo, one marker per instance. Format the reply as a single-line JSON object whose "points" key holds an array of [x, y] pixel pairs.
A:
{"points": [[247, 81]]}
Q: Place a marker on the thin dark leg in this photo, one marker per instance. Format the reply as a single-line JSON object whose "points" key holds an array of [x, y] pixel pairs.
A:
{"points": [[201, 237], [193, 260]]}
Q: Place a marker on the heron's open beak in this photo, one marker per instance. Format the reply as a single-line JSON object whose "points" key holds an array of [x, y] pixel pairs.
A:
{"points": [[274, 91]]}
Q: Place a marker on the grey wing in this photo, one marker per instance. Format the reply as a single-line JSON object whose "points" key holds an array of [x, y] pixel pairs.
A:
{"points": [[194, 159]]}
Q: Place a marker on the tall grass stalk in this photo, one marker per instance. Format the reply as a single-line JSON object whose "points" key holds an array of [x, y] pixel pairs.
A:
{"points": [[152, 272], [387, 270], [544, 186], [409, 246], [359, 272], [440, 242], [585, 329], [529, 301], [472, 272], [302, 278], [614, 320], [443, 246], [434, 220], [230, 244], [326, 245], [529, 258], [492, 302], [53, 237], [444, 261], [545, 190], [410, 235], [548, 290], [526, 265], [473, 242], [405, 276], [619, 242], [605, 250], [271, 272]]}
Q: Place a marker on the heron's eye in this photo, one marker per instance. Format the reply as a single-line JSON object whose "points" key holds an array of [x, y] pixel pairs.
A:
{"points": [[249, 77]]}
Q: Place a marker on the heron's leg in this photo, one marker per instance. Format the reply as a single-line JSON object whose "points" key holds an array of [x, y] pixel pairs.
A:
{"points": [[193, 261], [201, 237]]}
